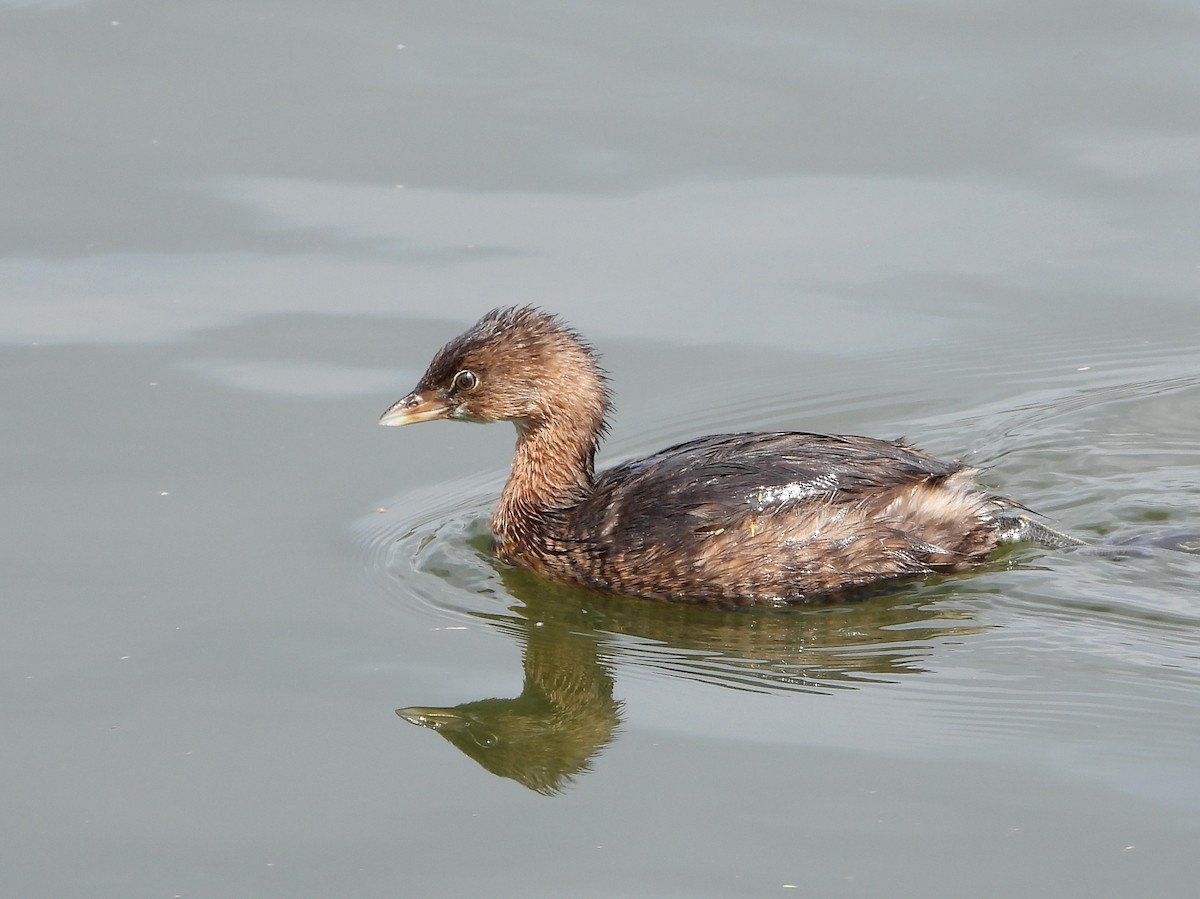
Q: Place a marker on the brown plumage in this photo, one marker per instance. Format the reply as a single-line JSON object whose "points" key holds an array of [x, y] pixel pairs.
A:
{"points": [[731, 518]]}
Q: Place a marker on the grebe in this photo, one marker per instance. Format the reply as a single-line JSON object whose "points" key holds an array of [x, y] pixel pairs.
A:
{"points": [[778, 517]]}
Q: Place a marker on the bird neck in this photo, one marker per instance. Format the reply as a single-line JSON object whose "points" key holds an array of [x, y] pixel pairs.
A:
{"points": [[553, 469]]}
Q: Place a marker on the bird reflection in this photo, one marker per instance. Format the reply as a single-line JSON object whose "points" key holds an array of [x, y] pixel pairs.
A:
{"points": [[566, 714]]}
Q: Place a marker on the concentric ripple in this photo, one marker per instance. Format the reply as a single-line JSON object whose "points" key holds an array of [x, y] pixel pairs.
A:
{"points": [[429, 546]]}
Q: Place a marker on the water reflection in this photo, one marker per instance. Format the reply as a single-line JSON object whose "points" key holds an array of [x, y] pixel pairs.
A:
{"points": [[574, 640], [565, 714]]}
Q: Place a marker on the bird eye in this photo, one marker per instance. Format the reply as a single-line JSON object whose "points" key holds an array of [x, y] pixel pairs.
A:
{"points": [[464, 380]]}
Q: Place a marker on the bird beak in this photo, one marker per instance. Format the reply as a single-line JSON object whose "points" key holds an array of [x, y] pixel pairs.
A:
{"points": [[432, 718], [417, 406]]}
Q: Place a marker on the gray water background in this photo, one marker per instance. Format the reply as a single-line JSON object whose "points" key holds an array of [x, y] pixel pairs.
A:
{"points": [[234, 232]]}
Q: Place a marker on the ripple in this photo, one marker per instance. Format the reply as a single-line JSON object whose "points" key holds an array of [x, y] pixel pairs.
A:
{"points": [[429, 547]]}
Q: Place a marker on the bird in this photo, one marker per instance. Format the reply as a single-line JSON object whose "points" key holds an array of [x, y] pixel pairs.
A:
{"points": [[750, 518]]}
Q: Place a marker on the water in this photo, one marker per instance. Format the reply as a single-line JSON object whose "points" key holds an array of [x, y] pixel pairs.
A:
{"points": [[971, 226]]}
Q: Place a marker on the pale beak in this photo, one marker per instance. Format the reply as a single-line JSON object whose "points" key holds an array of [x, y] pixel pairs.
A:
{"points": [[432, 718], [417, 406]]}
